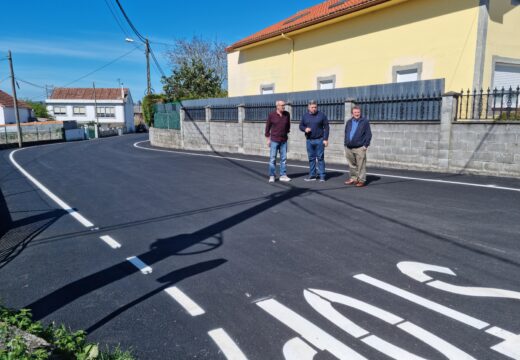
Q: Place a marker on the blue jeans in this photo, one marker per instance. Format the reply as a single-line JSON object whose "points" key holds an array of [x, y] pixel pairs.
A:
{"points": [[282, 148], [316, 151]]}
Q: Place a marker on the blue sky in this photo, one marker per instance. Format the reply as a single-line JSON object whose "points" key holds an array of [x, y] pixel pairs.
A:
{"points": [[55, 42]]}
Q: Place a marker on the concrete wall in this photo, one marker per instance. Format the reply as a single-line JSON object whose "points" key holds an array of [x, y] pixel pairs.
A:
{"points": [[364, 48], [486, 148]]}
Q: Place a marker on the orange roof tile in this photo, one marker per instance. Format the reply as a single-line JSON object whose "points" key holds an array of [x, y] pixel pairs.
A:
{"points": [[318, 13], [87, 94], [6, 100]]}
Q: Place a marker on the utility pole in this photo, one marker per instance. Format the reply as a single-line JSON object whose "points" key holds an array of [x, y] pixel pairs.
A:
{"points": [[15, 100], [148, 81], [95, 111]]}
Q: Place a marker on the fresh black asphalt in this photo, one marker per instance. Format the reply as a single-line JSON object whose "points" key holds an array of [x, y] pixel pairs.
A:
{"points": [[217, 230]]}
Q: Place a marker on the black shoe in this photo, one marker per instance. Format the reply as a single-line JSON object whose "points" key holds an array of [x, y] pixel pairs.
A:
{"points": [[310, 178]]}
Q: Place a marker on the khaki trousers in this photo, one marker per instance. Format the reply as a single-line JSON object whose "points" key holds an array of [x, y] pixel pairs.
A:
{"points": [[357, 163]]}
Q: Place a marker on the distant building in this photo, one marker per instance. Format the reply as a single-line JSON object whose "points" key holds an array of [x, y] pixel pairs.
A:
{"points": [[111, 107], [344, 43], [7, 115]]}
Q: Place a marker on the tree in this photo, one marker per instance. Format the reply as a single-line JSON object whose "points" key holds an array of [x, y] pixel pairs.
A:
{"points": [[211, 53], [192, 80], [40, 111], [148, 106]]}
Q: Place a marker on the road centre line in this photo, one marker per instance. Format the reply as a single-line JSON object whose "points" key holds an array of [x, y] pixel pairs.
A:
{"points": [[73, 212], [487, 186], [185, 301], [138, 263], [228, 347], [110, 241]]}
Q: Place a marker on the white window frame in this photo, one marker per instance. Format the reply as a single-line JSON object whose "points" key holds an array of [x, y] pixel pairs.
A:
{"points": [[59, 112], [106, 111], [82, 112], [401, 69], [267, 89], [322, 80]]}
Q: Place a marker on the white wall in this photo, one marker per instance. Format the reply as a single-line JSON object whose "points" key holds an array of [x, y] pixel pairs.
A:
{"points": [[7, 115]]}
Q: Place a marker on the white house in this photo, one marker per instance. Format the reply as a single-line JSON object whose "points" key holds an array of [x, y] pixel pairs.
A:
{"points": [[112, 107], [7, 115]]}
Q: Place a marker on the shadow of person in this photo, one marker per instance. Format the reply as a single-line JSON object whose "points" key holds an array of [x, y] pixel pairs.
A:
{"points": [[168, 281], [372, 178]]}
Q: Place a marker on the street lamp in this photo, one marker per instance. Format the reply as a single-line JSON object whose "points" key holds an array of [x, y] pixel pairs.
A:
{"points": [[147, 53]]}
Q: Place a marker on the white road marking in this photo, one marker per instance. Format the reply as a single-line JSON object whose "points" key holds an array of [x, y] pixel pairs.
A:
{"points": [[441, 309], [487, 186], [229, 348], [416, 271], [110, 241], [184, 300], [145, 269], [297, 349], [322, 300], [310, 332], [510, 347], [75, 214]]}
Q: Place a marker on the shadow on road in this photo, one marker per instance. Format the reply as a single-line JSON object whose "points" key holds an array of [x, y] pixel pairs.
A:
{"points": [[203, 240]]}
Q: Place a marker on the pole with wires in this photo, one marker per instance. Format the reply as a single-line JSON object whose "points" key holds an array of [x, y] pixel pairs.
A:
{"points": [[148, 80], [15, 100], [96, 130]]}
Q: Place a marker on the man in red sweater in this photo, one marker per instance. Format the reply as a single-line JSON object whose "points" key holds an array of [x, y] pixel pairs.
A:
{"points": [[277, 128]]}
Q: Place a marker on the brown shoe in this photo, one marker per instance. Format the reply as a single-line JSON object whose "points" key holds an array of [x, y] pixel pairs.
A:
{"points": [[360, 184], [350, 182]]}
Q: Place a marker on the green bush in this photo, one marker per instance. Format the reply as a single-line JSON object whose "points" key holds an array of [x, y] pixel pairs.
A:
{"points": [[512, 116], [67, 345]]}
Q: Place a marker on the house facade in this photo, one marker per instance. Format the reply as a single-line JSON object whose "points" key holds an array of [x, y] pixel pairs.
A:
{"points": [[344, 43], [7, 113], [111, 107]]}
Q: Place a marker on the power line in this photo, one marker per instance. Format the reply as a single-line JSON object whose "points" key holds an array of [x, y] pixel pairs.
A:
{"points": [[141, 37], [30, 83], [4, 79], [157, 63], [101, 67], [116, 19]]}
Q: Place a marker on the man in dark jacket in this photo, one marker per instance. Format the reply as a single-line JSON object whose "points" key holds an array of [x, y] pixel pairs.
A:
{"points": [[277, 128], [357, 140], [316, 127]]}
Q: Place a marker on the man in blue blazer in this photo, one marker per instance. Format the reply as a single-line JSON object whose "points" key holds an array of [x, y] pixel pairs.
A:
{"points": [[357, 140]]}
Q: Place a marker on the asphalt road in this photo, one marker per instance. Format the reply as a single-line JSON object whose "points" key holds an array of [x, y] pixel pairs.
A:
{"points": [[415, 265]]}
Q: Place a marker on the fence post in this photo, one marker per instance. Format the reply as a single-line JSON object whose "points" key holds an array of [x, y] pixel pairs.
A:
{"points": [[448, 113], [288, 108], [208, 125], [182, 116], [349, 104], [241, 118]]}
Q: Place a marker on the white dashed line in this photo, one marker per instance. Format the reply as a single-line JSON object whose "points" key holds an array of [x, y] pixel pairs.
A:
{"points": [[145, 269], [76, 215], [487, 186], [227, 345], [184, 300], [110, 241]]}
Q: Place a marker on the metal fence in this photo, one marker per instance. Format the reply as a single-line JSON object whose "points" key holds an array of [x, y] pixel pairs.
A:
{"points": [[224, 113], [31, 133], [489, 105], [423, 107], [334, 109], [195, 114], [258, 111], [167, 116]]}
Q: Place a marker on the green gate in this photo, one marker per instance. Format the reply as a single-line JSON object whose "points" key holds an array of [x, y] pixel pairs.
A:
{"points": [[167, 116]]}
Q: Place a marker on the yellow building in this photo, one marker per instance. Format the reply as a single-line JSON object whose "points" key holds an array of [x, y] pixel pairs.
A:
{"points": [[344, 43]]}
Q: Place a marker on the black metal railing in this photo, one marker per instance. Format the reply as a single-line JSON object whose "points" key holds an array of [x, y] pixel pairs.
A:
{"points": [[494, 104], [334, 109], [224, 113], [258, 111], [423, 107], [195, 114]]}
